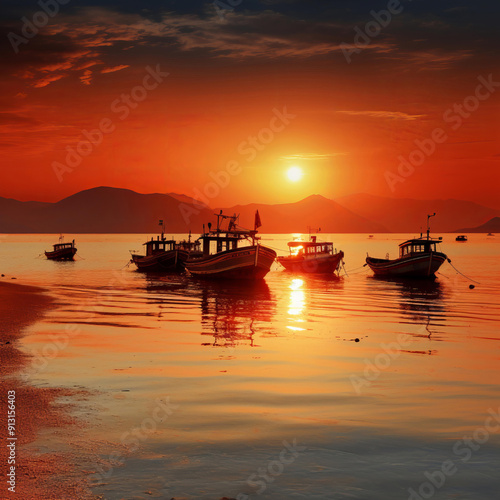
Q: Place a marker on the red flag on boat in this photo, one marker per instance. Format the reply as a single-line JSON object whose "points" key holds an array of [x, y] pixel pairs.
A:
{"points": [[257, 220]]}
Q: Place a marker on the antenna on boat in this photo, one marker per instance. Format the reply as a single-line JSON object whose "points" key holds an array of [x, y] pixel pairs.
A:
{"points": [[428, 226], [162, 224]]}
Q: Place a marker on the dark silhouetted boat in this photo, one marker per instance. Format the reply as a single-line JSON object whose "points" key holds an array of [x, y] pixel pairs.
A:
{"points": [[311, 257], [62, 251], [223, 257], [165, 255], [418, 258], [461, 237]]}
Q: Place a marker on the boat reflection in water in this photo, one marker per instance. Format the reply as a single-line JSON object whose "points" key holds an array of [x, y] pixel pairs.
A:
{"points": [[232, 313], [420, 300], [422, 303]]}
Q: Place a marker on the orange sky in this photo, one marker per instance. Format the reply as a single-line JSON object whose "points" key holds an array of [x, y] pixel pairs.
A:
{"points": [[352, 121]]}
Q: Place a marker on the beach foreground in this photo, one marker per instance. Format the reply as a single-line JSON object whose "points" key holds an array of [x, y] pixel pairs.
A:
{"points": [[37, 474]]}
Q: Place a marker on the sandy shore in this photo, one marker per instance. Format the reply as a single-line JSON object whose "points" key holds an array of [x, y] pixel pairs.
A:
{"points": [[37, 475]]}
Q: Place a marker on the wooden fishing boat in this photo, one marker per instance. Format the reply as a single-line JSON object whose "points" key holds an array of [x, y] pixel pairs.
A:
{"points": [[418, 258], [222, 257], [461, 237], [311, 257], [165, 255], [62, 251]]}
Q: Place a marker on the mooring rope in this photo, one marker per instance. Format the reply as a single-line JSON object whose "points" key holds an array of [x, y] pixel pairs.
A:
{"points": [[352, 271], [275, 248], [470, 279]]}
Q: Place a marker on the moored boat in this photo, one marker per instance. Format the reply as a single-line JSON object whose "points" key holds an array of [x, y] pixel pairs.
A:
{"points": [[62, 251], [312, 257], [222, 257], [418, 258], [165, 255], [461, 237]]}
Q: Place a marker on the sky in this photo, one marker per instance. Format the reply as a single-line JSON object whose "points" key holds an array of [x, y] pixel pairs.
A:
{"points": [[219, 100]]}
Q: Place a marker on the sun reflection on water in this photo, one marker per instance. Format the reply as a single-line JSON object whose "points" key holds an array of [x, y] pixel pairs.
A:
{"points": [[297, 303]]}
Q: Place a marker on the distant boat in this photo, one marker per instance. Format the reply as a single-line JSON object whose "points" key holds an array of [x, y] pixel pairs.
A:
{"points": [[461, 237], [222, 258], [490, 234], [62, 251], [370, 236], [165, 255], [311, 257], [418, 258]]}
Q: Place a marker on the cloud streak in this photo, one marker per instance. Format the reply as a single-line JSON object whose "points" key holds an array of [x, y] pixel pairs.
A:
{"points": [[311, 156], [388, 115]]}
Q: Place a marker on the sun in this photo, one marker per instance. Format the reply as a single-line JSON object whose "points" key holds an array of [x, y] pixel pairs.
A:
{"points": [[294, 174]]}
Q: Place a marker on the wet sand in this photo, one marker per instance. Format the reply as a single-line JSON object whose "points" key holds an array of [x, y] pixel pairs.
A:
{"points": [[38, 475]]}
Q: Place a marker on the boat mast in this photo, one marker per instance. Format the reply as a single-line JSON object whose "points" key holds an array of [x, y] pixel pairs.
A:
{"points": [[428, 226], [162, 224]]}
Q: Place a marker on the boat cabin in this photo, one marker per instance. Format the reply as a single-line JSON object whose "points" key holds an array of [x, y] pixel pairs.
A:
{"points": [[417, 246], [63, 246], [310, 248], [157, 246], [221, 240], [189, 246]]}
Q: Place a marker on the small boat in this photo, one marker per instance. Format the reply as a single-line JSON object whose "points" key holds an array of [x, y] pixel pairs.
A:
{"points": [[165, 255], [461, 237], [62, 251], [490, 234], [418, 258], [311, 257], [222, 258]]}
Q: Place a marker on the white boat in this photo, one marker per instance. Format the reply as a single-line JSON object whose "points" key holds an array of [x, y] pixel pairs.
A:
{"points": [[224, 257], [418, 258]]}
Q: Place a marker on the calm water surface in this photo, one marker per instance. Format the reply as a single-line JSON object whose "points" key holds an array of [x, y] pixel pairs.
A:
{"points": [[195, 386]]}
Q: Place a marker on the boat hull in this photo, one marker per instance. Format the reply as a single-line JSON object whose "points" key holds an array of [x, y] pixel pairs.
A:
{"points": [[63, 254], [417, 266], [322, 264], [173, 260], [252, 262]]}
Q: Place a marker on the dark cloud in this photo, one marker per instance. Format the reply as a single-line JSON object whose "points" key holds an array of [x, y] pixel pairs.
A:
{"points": [[426, 36], [16, 119]]}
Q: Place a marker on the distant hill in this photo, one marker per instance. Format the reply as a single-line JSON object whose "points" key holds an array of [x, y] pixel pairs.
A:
{"points": [[113, 210], [408, 215], [492, 226], [15, 215], [314, 211], [187, 199], [100, 210]]}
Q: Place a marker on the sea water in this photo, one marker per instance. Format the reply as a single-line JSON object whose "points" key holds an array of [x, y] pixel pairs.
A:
{"points": [[300, 386]]}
